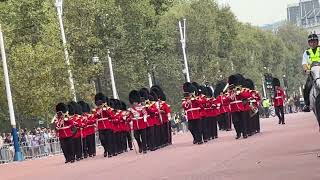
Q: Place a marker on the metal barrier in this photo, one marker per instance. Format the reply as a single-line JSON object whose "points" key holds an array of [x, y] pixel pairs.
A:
{"points": [[33, 150]]}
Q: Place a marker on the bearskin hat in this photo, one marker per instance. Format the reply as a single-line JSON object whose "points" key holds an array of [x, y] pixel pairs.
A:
{"points": [[249, 84], [134, 96], [153, 96], [84, 106], [219, 88], [209, 91], [113, 103], [123, 106], [61, 107], [276, 82], [197, 86], [203, 90], [144, 94], [158, 90], [236, 80], [100, 98], [71, 109], [76, 107], [189, 88]]}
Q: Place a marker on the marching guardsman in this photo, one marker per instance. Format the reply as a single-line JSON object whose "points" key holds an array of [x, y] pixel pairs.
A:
{"points": [[127, 128], [144, 96], [64, 125], [75, 113], [278, 100], [212, 113], [203, 98], [89, 130], [104, 116], [222, 106], [255, 102], [122, 126], [138, 116], [115, 126], [165, 115], [192, 108], [238, 98]]}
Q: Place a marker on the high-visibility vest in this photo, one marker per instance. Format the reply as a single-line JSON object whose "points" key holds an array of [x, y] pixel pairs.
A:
{"points": [[266, 103], [314, 57]]}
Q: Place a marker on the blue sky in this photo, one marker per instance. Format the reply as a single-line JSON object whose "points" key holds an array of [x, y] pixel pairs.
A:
{"points": [[259, 12]]}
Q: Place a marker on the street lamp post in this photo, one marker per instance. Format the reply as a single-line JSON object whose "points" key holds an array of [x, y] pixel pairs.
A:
{"points": [[58, 5], [114, 89], [17, 155], [183, 44], [95, 60]]}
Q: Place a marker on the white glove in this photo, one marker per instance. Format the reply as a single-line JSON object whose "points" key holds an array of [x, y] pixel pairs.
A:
{"points": [[145, 119], [169, 116]]}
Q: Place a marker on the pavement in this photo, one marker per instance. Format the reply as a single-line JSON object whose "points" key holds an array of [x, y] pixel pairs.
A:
{"points": [[279, 152]]}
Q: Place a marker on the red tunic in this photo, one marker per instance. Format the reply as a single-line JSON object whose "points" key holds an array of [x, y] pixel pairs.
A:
{"points": [[237, 101], [192, 107], [90, 122], [153, 115], [138, 115], [203, 102], [104, 116], [79, 123], [279, 97], [210, 107], [63, 127], [165, 111]]}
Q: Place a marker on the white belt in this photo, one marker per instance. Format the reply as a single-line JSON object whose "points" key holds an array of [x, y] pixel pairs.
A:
{"points": [[138, 118], [103, 119], [234, 102], [193, 109], [66, 127], [278, 97], [253, 100]]}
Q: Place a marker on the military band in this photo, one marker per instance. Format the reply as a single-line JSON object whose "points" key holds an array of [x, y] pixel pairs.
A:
{"points": [[147, 120]]}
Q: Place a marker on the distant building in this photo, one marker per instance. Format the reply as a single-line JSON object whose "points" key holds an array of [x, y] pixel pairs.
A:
{"points": [[305, 14]]}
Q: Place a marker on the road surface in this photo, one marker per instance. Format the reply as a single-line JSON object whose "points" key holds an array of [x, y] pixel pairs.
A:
{"points": [[284, 152]]}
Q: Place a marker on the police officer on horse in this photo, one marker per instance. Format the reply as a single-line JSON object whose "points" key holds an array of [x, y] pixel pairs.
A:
{"points": [[310, 57]]}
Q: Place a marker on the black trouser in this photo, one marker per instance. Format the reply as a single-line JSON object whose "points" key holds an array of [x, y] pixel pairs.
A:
{"points": [[210, 128], [240, 122], [280, 113], [84, 147], [256, 122], [77, 146], [128, 140], [157, 130], [169, 130], [107, 141], [141, 138], [205, 128], [151, 137], [67, 148], [164, 134], [266, 112], [91, 144], [117, 141], [195, 129], [213, 127], [306, 90]]}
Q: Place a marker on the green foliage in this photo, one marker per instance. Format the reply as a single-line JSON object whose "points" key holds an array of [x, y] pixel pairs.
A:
{"points": [[142, 36]]}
